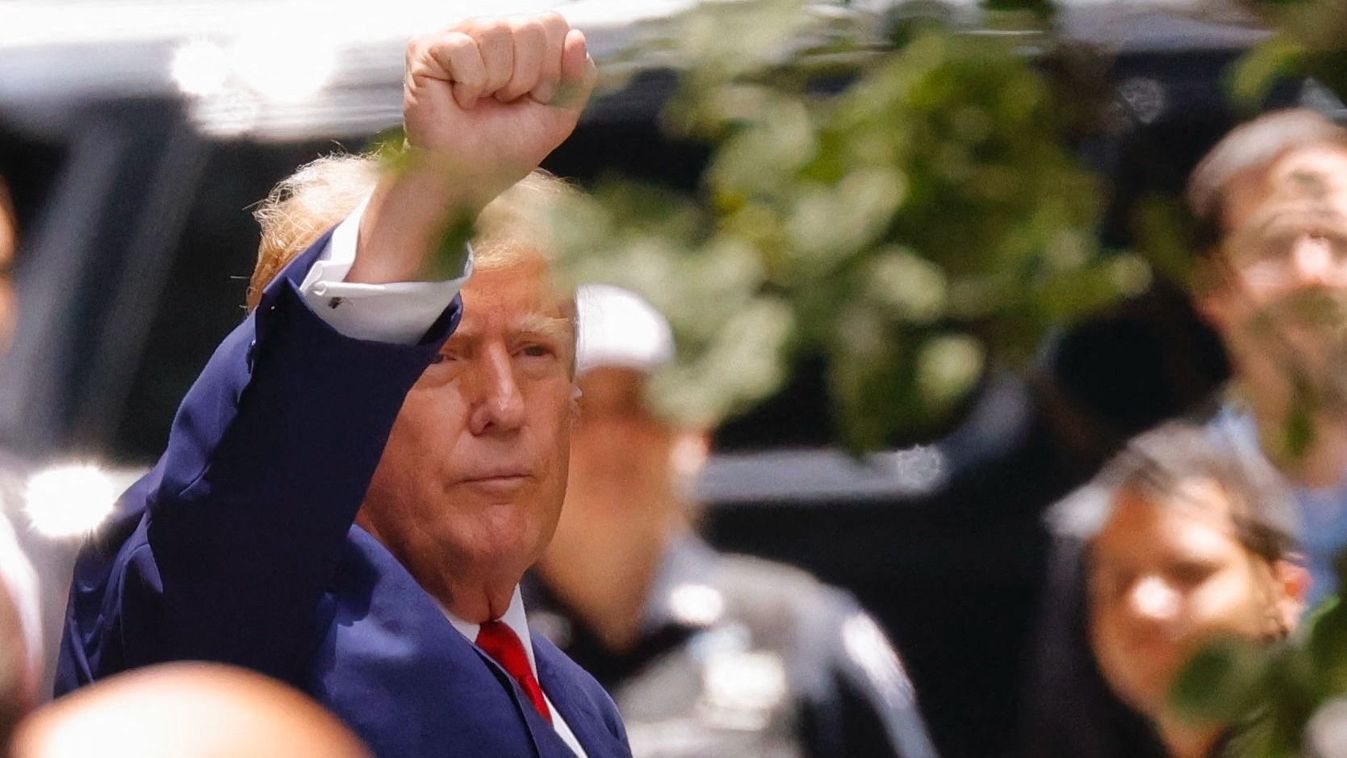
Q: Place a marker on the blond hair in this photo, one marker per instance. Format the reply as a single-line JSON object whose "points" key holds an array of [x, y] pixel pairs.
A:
{"points": [[320, 194]]}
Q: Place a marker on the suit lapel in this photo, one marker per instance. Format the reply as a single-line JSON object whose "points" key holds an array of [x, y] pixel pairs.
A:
{"points": [[402, 644], [546, 740], [574, 704]]}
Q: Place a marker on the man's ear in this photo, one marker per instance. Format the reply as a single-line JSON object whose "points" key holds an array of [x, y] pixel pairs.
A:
{"points": [[1293, 584]]}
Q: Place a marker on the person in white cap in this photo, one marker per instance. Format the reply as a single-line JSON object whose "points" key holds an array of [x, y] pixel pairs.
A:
{"points": [[705, 653]]}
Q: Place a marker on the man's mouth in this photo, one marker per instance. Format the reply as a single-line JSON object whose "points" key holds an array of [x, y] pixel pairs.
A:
{"points": [[504, 479]]}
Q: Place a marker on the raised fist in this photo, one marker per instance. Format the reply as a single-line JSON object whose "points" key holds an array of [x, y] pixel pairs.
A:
{"points": [[483, 102], [492, 97]]}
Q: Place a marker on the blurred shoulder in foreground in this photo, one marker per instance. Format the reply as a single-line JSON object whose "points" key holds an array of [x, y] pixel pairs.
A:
{"points": [[186, 710]]}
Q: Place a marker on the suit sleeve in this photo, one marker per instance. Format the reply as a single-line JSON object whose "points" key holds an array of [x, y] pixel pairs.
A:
{"points": [[247, 511]]}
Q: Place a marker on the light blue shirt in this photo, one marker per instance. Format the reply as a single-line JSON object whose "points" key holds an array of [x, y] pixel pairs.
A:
{"points": [[1321, 513]]}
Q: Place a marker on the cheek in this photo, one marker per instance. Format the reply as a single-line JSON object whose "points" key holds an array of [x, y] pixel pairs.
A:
{"points": [[1230, 311], [1228, 602], [431, 415], [421, 441], [1105, 637], [1109, 652]]}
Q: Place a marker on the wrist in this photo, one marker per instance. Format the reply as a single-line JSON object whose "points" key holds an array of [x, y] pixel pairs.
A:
{"points": [[416, 226]]}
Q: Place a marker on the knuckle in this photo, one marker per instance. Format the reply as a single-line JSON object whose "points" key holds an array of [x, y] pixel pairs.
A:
{"points": [[492, 28], [456, 43], [555, 31], [553, 20], [531, 29]]}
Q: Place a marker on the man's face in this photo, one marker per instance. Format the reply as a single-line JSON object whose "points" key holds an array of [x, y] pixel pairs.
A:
{"points": [[474, 472], [1165, 577], [1286, 225], [1283, 262], [620, 451]]}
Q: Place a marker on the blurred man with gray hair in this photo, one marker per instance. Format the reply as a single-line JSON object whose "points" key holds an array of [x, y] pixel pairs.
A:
{"points": [[1271, 278]]}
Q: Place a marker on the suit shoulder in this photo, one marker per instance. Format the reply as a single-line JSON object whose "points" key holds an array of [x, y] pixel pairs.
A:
{"points": [[762, 587]]}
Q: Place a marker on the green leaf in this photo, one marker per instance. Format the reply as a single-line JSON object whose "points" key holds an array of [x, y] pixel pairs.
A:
{"points": [[1222, 683], [1326, 646], [1252, 76], [948, 367]]}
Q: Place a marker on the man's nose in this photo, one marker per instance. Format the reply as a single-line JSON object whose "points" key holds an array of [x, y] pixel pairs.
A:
{"points": [[1315, 261], [499, 405], [1153, 599]]}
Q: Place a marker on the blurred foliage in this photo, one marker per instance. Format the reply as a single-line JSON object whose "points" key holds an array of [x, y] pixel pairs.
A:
{"points": [[1270, 691], [1309, 39], [924, 221]]}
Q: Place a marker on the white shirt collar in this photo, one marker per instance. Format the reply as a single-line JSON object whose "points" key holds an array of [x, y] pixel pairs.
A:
{"points": [[514, 618]]}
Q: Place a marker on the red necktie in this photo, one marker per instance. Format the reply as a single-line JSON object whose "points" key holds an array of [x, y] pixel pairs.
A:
{"points": [[498, 640]]}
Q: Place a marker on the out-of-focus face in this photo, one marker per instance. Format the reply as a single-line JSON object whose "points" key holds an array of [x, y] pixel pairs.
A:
{"points": [[620, 452], [474, 472], [1163, 578], [1286, 227], [1284, 256]]}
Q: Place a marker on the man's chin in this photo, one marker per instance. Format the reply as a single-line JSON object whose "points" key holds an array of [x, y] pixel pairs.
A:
{"points": [[1300, 342]]}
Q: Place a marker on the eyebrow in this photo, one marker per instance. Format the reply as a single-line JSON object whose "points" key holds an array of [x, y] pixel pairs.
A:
{"points": [[553, 327], [537, 324]]}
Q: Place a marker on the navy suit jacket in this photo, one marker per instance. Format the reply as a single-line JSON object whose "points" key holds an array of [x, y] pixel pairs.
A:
{"points": [[239, 547]]}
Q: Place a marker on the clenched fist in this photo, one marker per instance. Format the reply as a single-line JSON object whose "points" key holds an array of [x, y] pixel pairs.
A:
{"points": [[483, 103], [501, 93]]}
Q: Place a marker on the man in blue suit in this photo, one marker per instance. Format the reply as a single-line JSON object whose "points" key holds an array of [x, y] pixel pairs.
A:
{"points": [[366, 466]]}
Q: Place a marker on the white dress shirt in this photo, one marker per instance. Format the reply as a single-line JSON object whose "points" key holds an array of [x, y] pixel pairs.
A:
{"points": [[401, 313]]}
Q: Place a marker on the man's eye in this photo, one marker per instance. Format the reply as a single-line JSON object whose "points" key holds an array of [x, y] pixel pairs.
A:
{"points": [[441, 358], [536, 351], [1191, 573]]}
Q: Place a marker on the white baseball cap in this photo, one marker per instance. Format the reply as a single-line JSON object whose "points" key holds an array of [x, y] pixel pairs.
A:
{"points": [[619, 328]]}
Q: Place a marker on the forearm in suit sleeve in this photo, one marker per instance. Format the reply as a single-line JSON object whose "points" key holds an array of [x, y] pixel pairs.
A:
{"points": [[269, 458]]}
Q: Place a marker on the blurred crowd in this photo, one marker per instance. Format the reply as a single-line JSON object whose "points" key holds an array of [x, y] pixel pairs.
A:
{"points": [[1226, 522]]}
